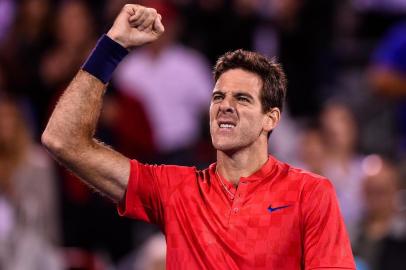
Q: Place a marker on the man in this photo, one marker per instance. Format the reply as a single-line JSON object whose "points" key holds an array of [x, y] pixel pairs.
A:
{"points": [[247, 211]]}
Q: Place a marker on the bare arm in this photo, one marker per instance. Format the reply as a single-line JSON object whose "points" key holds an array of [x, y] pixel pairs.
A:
{"points": [[70, 130], [69, 137]]}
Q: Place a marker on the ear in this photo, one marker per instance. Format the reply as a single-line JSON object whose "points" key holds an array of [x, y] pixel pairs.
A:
{"points": [[271, 119]]}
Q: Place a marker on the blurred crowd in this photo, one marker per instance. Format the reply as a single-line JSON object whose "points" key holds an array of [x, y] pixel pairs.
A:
{"points": [[345, 119]]}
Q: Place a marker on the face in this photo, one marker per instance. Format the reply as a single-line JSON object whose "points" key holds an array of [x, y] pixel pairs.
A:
{"points": [[74, 23], [236, 117], [312, 150], [35, 10], [339, 127]]}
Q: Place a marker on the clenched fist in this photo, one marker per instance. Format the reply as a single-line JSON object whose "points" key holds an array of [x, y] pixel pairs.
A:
{"points": [[136, 25]]}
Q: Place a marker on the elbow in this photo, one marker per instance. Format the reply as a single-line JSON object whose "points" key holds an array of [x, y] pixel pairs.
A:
{"points": [[63, 147], [52, 143]]}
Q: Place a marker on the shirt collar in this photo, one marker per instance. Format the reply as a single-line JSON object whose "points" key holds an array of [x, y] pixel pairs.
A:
{"points": [[260, 174]]}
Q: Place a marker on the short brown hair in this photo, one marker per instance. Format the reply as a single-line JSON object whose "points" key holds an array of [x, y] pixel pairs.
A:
{"points": [[269, 70]]}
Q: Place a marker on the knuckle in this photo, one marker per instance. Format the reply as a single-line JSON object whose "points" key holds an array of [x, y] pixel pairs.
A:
{"points": [[127, 6], [151, 11]]}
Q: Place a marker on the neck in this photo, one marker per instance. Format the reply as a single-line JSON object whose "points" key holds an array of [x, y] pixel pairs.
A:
{"points": [[242, 163]]}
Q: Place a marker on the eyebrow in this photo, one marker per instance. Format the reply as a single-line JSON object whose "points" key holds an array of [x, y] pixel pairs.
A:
{"points": [[217, 92], [237, 94]]}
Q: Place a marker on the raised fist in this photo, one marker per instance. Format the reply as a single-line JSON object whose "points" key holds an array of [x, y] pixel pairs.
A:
{"points": [[136, 25]]}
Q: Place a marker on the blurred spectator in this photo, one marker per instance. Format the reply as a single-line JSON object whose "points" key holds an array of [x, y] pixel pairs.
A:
{"points": [[342, 163], [381, 242], [75, 37], [360, 264], [29, 217], [387, 75], [388, 67], [216, 26], [284, 141], [376, 17], [124, 125], [22, 51], [3, 78], [305, 53], [173, 83], [151, 255], [7, 12], [382, 6], [312, 150], [102, 233]]}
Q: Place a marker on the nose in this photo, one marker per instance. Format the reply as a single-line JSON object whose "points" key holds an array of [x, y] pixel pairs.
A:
{"points": [[227, 105]]}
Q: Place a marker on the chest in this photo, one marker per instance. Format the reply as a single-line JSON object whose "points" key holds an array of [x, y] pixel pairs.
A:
{"points": [[255, 226]]}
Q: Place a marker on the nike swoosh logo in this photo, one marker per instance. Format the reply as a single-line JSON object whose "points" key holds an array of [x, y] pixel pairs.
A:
{"points": [[272, 209]]}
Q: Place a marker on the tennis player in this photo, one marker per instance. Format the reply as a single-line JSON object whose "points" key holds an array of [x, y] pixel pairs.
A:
{"points": [[247, 210]]}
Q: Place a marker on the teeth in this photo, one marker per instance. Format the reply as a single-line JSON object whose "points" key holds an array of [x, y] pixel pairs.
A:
{"points": [[226, 126]]}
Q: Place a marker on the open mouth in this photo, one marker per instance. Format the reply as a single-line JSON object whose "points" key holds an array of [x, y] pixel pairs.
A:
{"points": [[226, 125]]}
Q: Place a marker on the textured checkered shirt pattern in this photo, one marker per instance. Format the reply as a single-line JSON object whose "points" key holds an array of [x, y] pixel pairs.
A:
{"points": [[278, 218]]}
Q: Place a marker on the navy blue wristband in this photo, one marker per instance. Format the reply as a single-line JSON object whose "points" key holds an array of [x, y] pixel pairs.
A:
{"points": [[104, 58]]}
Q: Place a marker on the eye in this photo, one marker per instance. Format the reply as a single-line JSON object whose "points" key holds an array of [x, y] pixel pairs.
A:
{"points": [[243, 99], [217, 97]]}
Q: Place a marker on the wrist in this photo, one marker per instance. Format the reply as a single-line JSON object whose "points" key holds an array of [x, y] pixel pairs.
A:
{"points": [[115, 37], [104, 58]]}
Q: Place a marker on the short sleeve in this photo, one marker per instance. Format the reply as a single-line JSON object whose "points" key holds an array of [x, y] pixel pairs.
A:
{"points": [[148, 190], [326, 242]]}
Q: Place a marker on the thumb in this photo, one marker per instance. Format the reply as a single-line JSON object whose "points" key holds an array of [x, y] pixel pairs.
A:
{"points": [[158, 26]]}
